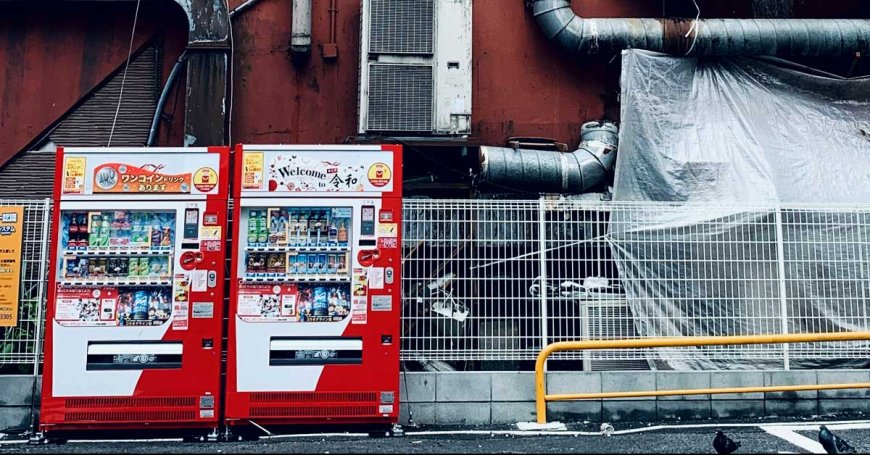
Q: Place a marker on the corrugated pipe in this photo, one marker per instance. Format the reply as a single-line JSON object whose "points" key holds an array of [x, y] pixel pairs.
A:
{"points": [[551, 171], [300, 38], [722, 37]]}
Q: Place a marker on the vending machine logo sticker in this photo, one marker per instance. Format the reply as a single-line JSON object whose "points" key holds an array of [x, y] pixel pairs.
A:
{"points": [[125, 178], [252, 172], [205, 179], [359, 310], [382, 303], [380, 175], [73, 175], [388, 230], [303, 173], [385, 243]]}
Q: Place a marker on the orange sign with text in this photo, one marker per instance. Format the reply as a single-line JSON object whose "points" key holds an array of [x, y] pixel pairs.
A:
{"points": [[125, 178], [11, 227]]}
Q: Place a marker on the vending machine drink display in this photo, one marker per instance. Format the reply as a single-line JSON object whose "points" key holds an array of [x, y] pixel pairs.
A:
{"points": [[315, 303], [133, 326]]}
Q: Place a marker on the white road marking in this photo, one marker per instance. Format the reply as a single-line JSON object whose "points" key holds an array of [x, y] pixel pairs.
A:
{"points": [[789, 435]]}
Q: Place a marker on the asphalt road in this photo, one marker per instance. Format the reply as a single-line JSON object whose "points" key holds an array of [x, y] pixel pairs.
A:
{"points": [[754, 439]]}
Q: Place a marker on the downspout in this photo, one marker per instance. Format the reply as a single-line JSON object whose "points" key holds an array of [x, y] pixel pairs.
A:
{"points": [[300, 38], [544, 171], [719, 37], [164, 95]]}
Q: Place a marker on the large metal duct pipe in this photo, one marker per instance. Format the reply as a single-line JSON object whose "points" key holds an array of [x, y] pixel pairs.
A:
{"points": [[300, 38], [545, 171], [724, 37]]}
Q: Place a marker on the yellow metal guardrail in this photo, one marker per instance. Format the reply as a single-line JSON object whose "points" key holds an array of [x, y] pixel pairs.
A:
{"points": [[541, 397]]}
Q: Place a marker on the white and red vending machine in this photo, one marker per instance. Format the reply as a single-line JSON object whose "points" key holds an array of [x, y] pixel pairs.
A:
{"points": [[315, 289], [135, 302]]}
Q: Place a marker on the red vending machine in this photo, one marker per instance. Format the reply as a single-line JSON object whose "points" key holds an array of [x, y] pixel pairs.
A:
{"points": [[134, 314], [315, 298]]}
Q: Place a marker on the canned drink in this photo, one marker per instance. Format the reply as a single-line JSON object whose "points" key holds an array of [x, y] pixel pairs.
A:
{"points": [[72, 269], [312, 263], [140, 305], [111, 263], [291, 263], [83, 267], [154, 266], [322, 260], [341, 266], [301, 263], [103, 266], [144, 267], [132, 267], [123, 264]]}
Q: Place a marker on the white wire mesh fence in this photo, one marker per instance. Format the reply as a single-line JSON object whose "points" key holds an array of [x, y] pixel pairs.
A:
{"points": [[497, 280]]}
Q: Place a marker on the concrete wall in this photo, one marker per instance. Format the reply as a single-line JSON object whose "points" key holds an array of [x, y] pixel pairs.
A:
{"points": [[499, 398], [15, 393]]}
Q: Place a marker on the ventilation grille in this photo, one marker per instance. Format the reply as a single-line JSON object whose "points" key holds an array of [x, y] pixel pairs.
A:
{"points": [[315, 397], [314, 411], [124, 402], [402, 26], [128, 416], [400, 97]]}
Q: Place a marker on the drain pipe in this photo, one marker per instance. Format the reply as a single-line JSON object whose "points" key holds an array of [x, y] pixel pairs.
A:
{"points": [[164, 95], [719, 37], [300, 38], [551, 171]]}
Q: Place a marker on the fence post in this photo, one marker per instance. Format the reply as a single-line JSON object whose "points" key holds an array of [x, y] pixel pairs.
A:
{"points": [[43, 278], [783, 300], [542, 264]]}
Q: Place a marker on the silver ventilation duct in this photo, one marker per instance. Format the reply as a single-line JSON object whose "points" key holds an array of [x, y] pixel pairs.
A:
{"points": [[721, 37], [543, 171]]}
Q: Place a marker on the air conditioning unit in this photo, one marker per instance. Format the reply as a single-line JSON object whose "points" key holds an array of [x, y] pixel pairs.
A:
{"points": [[415, 67]]}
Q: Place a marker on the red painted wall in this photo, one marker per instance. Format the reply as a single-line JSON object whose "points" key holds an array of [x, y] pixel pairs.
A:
{"points": [[522, 85], [50, 56]]}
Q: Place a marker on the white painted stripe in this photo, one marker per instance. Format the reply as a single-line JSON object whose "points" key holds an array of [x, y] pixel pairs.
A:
{"points": [[793, 438]]}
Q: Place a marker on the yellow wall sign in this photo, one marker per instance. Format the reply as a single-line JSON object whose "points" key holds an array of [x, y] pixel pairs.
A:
{"points": [[11, 232]]}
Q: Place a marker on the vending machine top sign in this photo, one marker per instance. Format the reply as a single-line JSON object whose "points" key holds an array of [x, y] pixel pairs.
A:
{"points": [[310, 171], [152, 173]]}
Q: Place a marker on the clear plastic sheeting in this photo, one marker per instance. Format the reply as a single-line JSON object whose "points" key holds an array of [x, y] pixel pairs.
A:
{"points": [[774, 166]]}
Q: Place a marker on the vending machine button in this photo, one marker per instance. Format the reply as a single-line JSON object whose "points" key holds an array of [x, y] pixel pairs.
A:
{"points": [[212, 278], [386, 339], [388, 275]]}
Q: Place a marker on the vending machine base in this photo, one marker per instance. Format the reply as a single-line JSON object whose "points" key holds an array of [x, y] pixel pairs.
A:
{"points": [[253, 430]]}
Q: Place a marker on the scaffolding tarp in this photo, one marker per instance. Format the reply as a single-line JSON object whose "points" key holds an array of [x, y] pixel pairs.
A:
{"points": [[743, 138]]}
